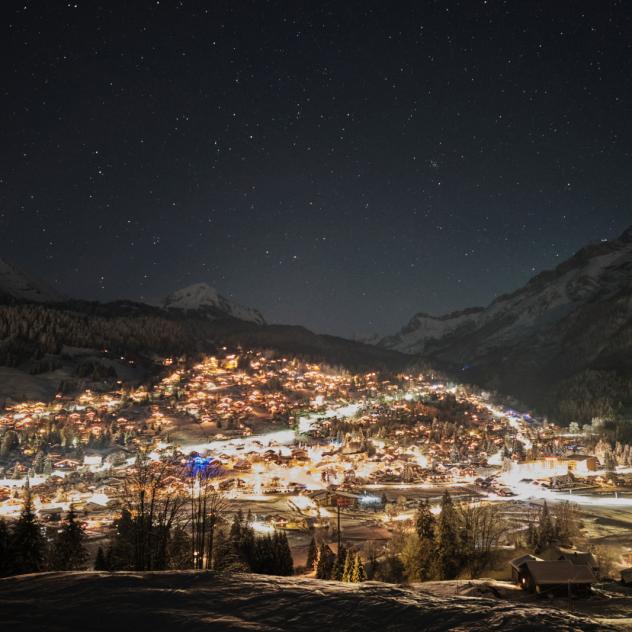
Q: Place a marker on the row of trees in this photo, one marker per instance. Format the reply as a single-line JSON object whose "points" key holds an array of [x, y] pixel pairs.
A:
{"points": [[24, 548], [463, 538], [160, 527], [345, 566], [553, 527]]}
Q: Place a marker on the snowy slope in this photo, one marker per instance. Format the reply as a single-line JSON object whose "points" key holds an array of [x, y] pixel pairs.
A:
{"points": [[201, 297], [423, 328], [196, 601], [16, 284], [599, 273]]}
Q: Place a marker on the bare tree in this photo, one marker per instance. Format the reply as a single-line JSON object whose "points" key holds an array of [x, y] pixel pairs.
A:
{"points": [[481, 528], [567, 523], [151, 494], [208, 505]]}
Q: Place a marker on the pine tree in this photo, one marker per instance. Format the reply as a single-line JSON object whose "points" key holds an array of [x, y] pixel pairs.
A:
{"points": [[225, 557], [246, 545], [546, 528], [122, 548], [447, 542], [325, 562], [285, 563], [39, 462], [347, 571], [339, 564], [100, 562], [27, 542], [312, 555], [425, 522], [68, 551], [6, 552], [358, 573], [179, 550]]}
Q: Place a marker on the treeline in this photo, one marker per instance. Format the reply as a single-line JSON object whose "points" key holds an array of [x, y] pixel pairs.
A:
{"points": [[558, 527], [29, 332], [236, 548], [461, 539], [24, 547], [593, 393], [345, 566], [162, 527]]}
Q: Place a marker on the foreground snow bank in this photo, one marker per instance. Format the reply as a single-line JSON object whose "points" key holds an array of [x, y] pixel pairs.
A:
{"points": [[192, 601]]}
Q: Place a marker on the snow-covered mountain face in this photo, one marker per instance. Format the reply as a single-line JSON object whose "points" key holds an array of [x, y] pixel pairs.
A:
{"points": [[597, 273], [562, 322], [15, 284], [203, 298], [423, 328]]}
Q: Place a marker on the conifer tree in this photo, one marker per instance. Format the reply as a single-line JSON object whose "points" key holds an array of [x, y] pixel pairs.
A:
{"points": [[68, 551], [339, 564], [447, 542], [27, 542], [285, 563], [122, 548], [312, 555], [425, 522], [546, 528], [225, 557], [347, 572], [179, 550], [100, 562], [6, 553], [358, 573], [325, 562]]}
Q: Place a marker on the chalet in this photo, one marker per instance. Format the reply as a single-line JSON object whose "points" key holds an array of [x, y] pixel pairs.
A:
{"points": [[517, 563], [66, 464], [557, 576]]}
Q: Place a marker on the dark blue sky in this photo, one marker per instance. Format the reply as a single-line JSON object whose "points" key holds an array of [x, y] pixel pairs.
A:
{"points": [[340, 165]]}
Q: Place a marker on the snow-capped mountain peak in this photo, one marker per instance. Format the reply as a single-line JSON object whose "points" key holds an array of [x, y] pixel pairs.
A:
{"points": [[17, 285], [202, 297]]}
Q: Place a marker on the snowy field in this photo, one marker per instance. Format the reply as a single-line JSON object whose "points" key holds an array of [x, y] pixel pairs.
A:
{"points": [[195, 601]]}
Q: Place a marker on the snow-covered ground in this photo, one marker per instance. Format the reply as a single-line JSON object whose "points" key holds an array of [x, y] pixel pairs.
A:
{"points": [[192, 601]]}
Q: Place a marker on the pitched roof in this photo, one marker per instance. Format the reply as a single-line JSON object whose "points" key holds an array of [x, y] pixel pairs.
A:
{"points": [[519, 561], [559, 572], [579, 557]]}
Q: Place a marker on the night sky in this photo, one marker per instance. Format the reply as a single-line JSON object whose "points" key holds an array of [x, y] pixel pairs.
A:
{"points": [[340, 165]]}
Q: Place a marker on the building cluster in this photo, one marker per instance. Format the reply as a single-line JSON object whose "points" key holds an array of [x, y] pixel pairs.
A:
{"points": [[280, 427]]}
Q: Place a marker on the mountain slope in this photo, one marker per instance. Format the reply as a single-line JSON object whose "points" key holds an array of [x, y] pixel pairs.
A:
{"points": [[564, 321], [14, 284], [423, 328], [202, 298], [189, 600]]}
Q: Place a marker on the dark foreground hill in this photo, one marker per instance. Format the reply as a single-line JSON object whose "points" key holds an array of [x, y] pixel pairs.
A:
{"points": [[117, 602]]}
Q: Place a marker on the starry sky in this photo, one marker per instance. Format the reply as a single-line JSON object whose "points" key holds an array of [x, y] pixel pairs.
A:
{"points": [[340, 165]]}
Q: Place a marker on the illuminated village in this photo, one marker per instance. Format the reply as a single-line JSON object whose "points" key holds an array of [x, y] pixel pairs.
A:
{"points": [[301, 446]]}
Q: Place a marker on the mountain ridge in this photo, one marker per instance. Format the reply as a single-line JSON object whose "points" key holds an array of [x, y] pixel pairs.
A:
{"points": [[573, 318], [15, 284], [202, 297]]}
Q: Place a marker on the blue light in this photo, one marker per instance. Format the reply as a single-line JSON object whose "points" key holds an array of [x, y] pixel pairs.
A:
{"points": [[204, 467]]}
